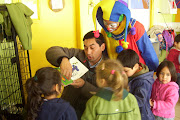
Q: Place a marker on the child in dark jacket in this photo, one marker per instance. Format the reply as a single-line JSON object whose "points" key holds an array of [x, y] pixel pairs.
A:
{"points": [[42, 101], [140, 81]]}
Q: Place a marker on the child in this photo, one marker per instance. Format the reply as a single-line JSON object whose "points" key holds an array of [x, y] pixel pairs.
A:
{"points": [[164, 94], [113, 101], [42, 101], [140, 81], [173, 56]]}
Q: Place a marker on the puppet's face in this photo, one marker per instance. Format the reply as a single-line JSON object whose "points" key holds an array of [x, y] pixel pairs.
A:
{"points": [[110, 25]]}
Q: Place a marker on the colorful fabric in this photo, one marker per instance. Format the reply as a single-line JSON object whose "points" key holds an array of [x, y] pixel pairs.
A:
{"points": [[169, 38], [165, 97], [112, 10], [139, 42]]}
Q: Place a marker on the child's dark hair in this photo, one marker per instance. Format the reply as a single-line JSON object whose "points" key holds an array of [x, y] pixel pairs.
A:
{"points": [[171, 68], [39, 86], [128, 58], [99, 40], [177, 38], [114, 75]]}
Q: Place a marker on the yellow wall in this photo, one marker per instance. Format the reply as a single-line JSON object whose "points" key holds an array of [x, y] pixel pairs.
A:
{"points": [[67, 28], [156, 17], [53, 29], [86, 16]]}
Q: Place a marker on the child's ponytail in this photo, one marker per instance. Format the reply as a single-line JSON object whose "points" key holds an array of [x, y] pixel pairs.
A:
{"points": [[119, 83], [112, 71], [40, 86], [34, 98]]}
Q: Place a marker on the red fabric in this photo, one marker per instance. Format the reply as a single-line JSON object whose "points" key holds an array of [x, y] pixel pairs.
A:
{"points": [[132, 39], [173, 57]]}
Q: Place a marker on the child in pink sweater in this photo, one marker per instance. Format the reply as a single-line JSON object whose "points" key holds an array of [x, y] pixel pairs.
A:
{"points": [[164, 95]]}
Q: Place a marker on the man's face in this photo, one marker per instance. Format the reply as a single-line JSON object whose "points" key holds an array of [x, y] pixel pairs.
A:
{"points": [[92, 50]]}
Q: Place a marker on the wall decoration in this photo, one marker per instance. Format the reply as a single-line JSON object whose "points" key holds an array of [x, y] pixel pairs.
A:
{"points": [[177, 3], [177, 16], [56, 5], [140, 4]]}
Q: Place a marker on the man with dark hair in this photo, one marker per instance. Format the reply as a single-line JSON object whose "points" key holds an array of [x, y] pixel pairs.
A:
{"points": [[140, 81], [79, 91]]}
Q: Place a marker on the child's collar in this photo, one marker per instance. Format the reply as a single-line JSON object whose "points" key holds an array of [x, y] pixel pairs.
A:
{"points": [[140, 68], [107, 94]]}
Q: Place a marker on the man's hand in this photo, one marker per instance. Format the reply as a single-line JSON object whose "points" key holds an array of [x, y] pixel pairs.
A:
{"points": [[78, 83], [66, 68]]}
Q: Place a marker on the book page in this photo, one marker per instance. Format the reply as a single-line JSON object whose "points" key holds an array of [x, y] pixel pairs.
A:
{"points": [[78, 69]]}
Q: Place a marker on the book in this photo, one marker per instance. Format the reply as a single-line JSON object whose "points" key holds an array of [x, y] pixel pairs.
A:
{"points": [[78, 70]]}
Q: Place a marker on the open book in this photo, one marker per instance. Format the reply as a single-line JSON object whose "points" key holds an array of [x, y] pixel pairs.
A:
{"points": [[78, 70]]}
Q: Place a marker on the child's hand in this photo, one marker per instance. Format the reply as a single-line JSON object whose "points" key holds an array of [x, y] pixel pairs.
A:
{"points": [[78, 83], [151, 102]]}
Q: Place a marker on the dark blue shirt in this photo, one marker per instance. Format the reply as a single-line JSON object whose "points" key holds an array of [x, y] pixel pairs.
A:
{"points": [[56, 109]]}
